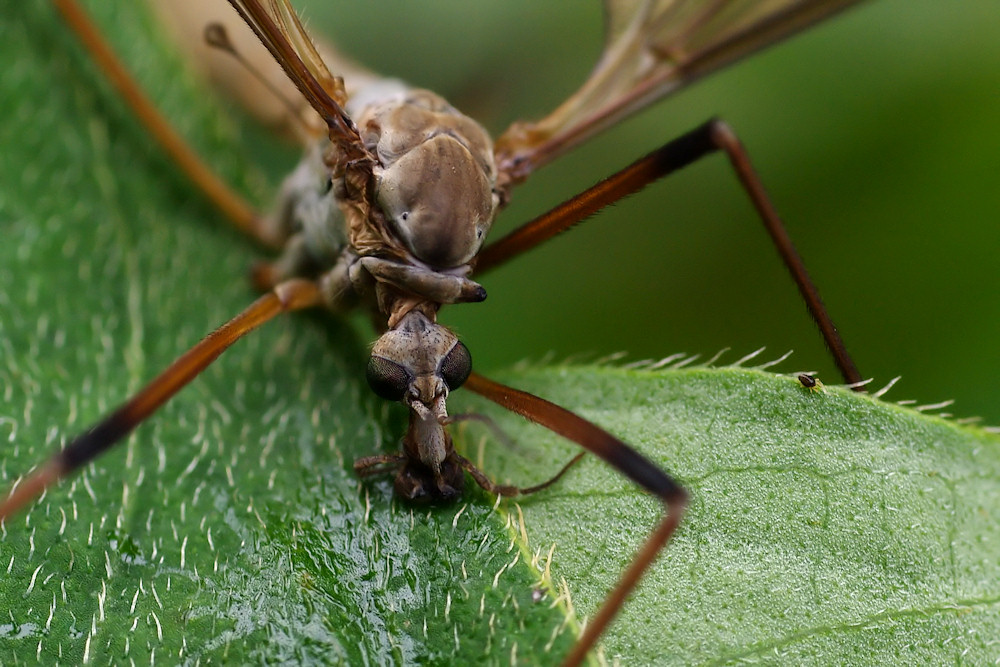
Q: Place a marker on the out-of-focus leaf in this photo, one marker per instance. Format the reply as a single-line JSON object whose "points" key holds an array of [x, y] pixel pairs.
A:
{"points": [[823, 526]]}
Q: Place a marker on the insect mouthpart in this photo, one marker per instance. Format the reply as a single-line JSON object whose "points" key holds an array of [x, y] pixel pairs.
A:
{"points": [[418, 363]]}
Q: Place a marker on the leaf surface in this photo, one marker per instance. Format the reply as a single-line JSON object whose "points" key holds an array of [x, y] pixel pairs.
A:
{"points": [[231, 528]]}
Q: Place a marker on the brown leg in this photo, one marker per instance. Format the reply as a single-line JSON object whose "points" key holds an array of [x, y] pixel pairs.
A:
{"points": [[679, 153], [232, 205], [620, 456], [293, 295], [509, 491], [374, 465]]}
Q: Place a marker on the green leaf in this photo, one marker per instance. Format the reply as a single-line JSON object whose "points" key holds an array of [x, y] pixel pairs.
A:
{"points": [[230, 527], [824, 527]]}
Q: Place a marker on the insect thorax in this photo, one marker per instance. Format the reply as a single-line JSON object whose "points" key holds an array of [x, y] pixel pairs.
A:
{"points": [[406, 232]]}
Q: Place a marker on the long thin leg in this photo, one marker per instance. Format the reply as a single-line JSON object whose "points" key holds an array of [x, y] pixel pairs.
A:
{"points": [[626, 460], [507, 490], [232, 205], [289, 296], [679, 153], [374, 465]]}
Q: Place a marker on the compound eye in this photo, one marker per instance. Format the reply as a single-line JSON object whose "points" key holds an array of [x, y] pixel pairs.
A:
{"points": [[456, 366], [387, 378]]}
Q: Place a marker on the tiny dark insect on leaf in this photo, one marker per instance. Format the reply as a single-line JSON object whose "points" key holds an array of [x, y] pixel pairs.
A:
{"points": [[203, 462]]}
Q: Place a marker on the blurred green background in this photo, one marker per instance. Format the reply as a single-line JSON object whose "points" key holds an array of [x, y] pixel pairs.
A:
{"points": [[876, 134]]}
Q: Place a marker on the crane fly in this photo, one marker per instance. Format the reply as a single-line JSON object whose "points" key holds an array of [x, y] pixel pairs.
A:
{"points": [[421, 274]]}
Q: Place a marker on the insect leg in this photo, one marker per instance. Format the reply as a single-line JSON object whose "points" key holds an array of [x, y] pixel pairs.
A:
{"points": [[231, 204], [507, 490], [704, 140], [620, 456], [289, 296], [368, 466]]}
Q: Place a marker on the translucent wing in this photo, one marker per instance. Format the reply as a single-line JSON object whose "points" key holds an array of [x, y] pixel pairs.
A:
{"points": [[279, 29], [652, 48]]}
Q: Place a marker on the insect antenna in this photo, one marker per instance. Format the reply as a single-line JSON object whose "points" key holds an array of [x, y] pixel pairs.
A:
{"points": [[289, 296], [620, 456]]}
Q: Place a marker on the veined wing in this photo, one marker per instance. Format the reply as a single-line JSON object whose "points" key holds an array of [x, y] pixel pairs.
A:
{"points": [[279, 29], [652, 48]]}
